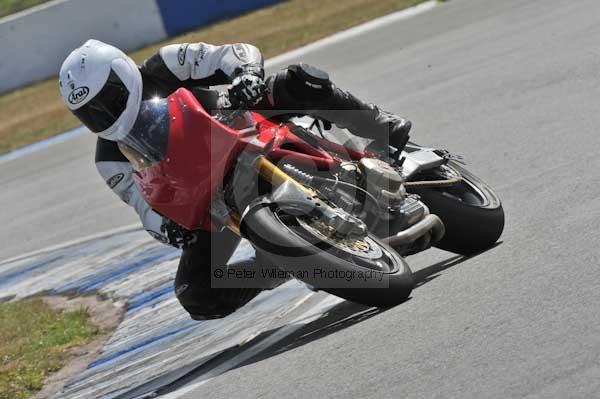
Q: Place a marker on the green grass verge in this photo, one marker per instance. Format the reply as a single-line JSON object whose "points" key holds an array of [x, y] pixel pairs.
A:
{"points": [[11, 6], [34, 341], [37, 112]]}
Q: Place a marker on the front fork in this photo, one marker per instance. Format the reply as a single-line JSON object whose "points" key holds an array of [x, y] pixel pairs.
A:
{"points": [[270, 173], [274, 175]]}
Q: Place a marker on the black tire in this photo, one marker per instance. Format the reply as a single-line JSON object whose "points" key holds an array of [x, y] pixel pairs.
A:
{"points": [[287, 245], [471, 211]]}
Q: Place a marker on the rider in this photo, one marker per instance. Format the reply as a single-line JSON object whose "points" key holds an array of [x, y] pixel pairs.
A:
{"points": [[104, 88]]}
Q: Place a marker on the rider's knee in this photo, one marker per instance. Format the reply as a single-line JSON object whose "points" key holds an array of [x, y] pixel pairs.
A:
{"points": [[199, 302], [204, 303]]}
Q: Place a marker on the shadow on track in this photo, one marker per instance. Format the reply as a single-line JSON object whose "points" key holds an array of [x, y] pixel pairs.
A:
{"points": [[432, 272], [347, 314], [339, 317]]}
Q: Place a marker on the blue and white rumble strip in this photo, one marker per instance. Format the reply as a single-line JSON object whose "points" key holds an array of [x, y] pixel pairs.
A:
{"points": [[157, 343]]}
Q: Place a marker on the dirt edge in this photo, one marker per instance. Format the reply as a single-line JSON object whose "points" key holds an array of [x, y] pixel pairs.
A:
{"points": [[104, 314]]}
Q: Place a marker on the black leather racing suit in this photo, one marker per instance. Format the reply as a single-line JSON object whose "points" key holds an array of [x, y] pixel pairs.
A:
{"points": [[200, 65]]}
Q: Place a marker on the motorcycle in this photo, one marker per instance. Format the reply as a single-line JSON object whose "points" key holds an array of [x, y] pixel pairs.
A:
{"points": [[307, 202]]}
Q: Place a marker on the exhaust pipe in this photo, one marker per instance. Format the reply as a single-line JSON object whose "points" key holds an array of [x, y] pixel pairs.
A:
{"points": [[430, 223]]}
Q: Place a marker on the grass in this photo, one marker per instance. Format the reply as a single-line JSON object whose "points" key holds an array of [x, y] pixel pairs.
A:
{"points": [[37, 112], [34, 342], [11, 6]]}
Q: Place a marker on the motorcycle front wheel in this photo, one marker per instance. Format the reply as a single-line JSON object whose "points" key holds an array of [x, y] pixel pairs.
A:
{"points": [[362, 270]]}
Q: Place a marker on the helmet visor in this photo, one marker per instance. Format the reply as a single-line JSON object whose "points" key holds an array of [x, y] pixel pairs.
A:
{"points": [[106, 107]]}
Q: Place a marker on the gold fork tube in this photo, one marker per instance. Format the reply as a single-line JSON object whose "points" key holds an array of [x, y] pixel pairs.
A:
{"points": [[274, 175]]}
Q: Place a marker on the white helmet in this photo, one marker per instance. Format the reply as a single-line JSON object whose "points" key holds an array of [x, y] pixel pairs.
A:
{"points": [[102, 86]]}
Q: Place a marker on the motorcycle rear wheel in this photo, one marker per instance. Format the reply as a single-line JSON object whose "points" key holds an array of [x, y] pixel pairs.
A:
{"points": [[471, 211], [293, 245]]}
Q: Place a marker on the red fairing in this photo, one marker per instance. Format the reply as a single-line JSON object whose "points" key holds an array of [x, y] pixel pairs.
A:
{"points": [[287, 147], [200, 153]]}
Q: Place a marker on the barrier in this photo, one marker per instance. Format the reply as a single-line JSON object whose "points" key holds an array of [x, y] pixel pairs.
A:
{"points": [[181, 15], [33, 43]]}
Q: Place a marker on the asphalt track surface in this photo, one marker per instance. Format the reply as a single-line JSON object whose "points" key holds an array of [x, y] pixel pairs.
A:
{"points": [[514, 86]]}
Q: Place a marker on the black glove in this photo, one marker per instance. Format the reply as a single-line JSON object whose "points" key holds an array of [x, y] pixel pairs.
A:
{"points": [[247, 88], [178, 236]]}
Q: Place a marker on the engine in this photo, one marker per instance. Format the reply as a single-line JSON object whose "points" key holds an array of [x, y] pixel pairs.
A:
{"points": [[397, 210], [372, 190], [382, 181]]}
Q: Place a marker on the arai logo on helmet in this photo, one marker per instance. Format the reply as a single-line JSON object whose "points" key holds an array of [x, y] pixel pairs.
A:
{"points": [[78, 95]]}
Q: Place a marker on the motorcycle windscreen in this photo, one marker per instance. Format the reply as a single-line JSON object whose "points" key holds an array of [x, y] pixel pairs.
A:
{"points": [[147, 142], [181, 155]]}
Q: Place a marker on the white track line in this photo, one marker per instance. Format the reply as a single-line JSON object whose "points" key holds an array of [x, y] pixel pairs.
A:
{"points": [[28, 149], [108, 233], [352, 32], [280, 59]]}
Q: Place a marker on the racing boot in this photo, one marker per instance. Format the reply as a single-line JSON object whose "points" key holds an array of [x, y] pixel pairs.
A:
{"points": [[366, 120], [304, 87]]}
